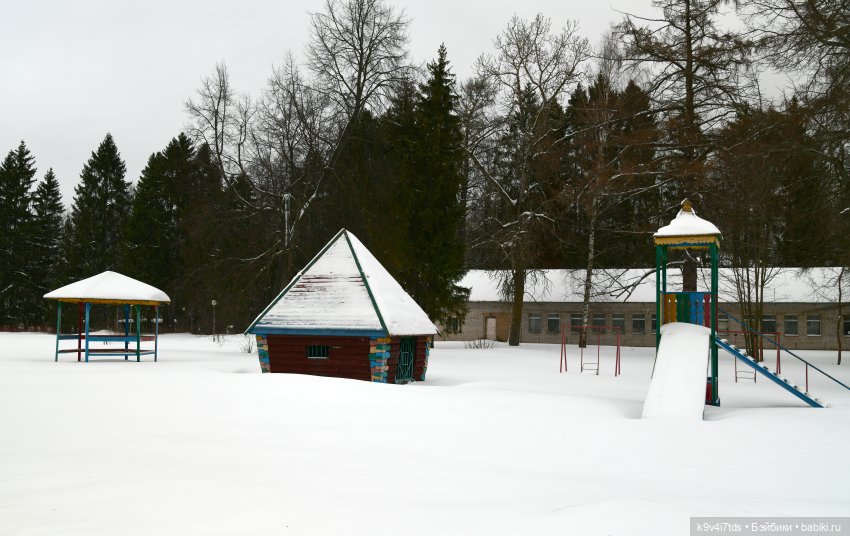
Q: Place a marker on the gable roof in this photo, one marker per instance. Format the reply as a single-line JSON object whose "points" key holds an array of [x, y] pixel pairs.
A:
{"points": [[344, 290], [109, 287]]}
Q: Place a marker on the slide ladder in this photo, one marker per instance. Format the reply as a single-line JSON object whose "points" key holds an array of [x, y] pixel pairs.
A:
{"points": [[762, 368]]}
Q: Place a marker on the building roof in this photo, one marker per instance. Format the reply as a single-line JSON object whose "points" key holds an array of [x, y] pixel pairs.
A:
{"points": [[344, 290], [788, 285], [109, 287]]}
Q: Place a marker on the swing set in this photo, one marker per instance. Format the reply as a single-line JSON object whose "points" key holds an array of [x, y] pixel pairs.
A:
{"points": [[590, 363]]}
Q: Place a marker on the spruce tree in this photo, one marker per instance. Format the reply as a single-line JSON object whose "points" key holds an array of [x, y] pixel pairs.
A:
{"points": [[435, 262], [46, 238], [17, 174], [98, 215], [154, 235]]}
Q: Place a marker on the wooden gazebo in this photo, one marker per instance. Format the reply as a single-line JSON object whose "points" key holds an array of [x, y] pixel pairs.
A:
{"points": [[109, 288]]}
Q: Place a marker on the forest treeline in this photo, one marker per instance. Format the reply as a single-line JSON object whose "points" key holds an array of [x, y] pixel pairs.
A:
{"points": [[555, 152]]}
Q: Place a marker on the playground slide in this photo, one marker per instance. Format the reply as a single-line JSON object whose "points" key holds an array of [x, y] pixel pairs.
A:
{"points": [[677, 388]]}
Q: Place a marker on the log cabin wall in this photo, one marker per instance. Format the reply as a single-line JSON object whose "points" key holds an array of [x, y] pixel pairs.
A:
{"points": [[348, 357], [361, 358]]}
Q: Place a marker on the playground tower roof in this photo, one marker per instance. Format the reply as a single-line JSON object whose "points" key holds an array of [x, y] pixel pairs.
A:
{"points": [[688, 227]]}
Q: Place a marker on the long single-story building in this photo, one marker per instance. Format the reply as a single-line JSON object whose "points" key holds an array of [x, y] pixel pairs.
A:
{"points": [[801, 306]]}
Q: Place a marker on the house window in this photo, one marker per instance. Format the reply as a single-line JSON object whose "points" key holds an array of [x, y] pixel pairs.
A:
{"points": [[654, 324], [638, 324], [847, 327], [576, 322], [315, 351], [452, 324], [722, 322], [553, 323], [618, 322], [599, 322], [791, 325], [768, 323], [534, 323], [813, 325]]}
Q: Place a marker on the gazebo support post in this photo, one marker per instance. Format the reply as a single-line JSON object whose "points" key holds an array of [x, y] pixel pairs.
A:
{"points": [[79, 331], [156, 332], [88, 310], [126, 331], [715, 395], [58, 327], [138, 333]]}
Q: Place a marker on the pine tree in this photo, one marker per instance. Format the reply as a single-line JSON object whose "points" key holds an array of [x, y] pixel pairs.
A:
{"points": [[98, 215], [17, 174], [46, 237]]}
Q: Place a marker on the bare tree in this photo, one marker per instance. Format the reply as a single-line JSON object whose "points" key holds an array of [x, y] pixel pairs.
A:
{"points": [[357, 49], [533, 69], [220, 118]]}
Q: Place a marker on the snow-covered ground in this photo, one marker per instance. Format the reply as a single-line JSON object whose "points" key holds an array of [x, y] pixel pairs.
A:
{"points": [[495, 442]]}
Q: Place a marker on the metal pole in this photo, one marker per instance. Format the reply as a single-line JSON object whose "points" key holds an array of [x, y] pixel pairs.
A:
{"points": [[58, 328], [126, 332], [79, 331], [715, 395], [156, 333], [88, 309], [138, 333]]}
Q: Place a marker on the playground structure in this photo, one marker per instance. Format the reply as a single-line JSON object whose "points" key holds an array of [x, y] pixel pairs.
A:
{"points": [[688, 323], [591, 364], [108, 288]]}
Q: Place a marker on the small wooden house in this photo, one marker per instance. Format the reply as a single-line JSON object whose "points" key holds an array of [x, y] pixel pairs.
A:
{"points": [[345, 316]]}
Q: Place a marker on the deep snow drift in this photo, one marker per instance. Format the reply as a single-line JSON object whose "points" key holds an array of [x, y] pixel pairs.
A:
{"points": [[495, 442]]}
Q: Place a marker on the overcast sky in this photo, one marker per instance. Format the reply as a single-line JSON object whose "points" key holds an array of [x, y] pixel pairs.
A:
{"points": [[73, 71]]}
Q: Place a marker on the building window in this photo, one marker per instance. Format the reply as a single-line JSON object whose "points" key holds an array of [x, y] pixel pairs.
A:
{"points": [[654, 324], [791, 325], [847, 327], [553, 323], [768, 324], [813, 325], [576, 322], [453, 324], [722, 322], [618, 322], [315, 351], [534, 323], [599, 322], [638, 324]]}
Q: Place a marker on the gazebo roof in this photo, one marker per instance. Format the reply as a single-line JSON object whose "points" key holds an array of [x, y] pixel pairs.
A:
{"points": [[109, 287], [344, 290], [689, 228]]}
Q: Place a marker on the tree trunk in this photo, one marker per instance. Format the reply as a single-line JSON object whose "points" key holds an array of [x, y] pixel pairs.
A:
{"points": [[588, 283], [689, 274], [516, 307]]}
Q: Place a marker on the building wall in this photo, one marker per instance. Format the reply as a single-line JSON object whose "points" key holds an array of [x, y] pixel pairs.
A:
{"points": [[474, 326], [358, 358]]}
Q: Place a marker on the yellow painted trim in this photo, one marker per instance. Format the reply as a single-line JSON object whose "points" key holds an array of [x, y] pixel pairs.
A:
{"points": [[115, 302], [697, 239]]}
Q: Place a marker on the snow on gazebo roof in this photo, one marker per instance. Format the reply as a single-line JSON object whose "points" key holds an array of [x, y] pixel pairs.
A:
{"points": [[688, 225], [344, 290], [109, 287]]}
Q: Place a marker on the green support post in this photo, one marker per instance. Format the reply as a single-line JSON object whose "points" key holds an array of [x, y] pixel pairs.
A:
{"points": [[715, 396], [58, 327], [658, 296], [138, 333]]}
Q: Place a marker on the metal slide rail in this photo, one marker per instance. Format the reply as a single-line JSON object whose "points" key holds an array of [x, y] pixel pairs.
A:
{"points": [[768, 339], [772, 376]]}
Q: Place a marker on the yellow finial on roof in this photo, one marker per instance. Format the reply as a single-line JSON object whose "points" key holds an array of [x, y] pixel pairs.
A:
{"points": [[686, 206]]}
